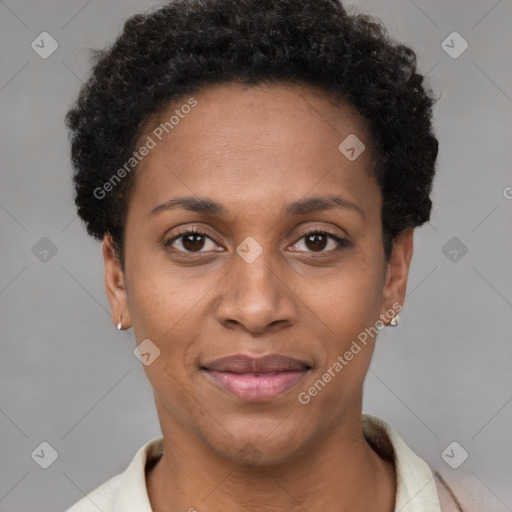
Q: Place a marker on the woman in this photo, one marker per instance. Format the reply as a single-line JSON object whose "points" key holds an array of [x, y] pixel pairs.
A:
{"points": [[255, 170]]}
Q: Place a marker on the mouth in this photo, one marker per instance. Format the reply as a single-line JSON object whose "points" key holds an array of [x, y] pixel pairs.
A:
{"points": [[256, 379]]}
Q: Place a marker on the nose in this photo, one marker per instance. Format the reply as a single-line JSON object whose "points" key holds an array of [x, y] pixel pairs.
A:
{"points": [[256, 297]]}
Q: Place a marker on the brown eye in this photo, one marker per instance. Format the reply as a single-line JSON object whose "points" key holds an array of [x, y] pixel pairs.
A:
{"points": [[319, 241], [316, 241], [192, 241]]}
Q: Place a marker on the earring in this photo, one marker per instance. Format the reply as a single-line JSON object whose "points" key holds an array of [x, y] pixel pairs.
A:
{"points": [[395, 321], [119, 324]]}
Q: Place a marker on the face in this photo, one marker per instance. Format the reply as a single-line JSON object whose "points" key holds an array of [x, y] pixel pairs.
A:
{"points": [[254, 262]]}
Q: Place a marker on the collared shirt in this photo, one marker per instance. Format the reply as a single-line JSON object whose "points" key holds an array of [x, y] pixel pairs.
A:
{"points": [[416, 489]]}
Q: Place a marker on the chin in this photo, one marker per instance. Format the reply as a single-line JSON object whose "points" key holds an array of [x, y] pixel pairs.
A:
{"points": [[259, 442]]}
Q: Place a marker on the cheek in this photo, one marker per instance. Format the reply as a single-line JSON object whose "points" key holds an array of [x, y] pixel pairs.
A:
{"points": [[163, 308], [348, 309], [169, 307], [350, 300], [348, 306], [161, 299]]}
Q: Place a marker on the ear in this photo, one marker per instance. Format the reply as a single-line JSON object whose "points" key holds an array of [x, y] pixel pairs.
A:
{"points": [[397, 272], [115, 284]]}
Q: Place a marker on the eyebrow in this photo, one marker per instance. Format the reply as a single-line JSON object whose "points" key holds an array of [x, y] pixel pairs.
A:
{"points": [[207, 206]]}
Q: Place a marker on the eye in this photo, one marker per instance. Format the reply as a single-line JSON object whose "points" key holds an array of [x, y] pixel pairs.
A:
{"points": [[317, 241], [192, 240]]}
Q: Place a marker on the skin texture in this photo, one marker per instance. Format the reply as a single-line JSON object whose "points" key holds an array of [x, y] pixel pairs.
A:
{"points": [[255, 150]]}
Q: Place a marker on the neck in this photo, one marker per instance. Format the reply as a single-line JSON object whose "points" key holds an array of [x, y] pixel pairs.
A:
{"points": [[338, 472]]}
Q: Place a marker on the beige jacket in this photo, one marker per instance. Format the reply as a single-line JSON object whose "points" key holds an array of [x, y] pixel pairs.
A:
{"points": [[416, 486]]}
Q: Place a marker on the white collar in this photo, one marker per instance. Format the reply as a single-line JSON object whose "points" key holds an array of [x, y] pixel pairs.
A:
{"points": [[416, 488]]}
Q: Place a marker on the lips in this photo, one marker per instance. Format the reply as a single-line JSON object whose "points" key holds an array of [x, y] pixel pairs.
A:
{"points": [[256, 379], [241, 363]]}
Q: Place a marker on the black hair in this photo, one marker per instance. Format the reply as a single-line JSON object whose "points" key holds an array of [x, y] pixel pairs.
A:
{"points": [[186, 45]]}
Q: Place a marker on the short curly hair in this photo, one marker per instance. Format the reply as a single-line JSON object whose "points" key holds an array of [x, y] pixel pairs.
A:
{"points": [[186, 45]]}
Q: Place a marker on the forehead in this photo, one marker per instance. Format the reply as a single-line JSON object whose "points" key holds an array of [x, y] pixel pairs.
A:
{"points": [[254, 145], [287, 112]]}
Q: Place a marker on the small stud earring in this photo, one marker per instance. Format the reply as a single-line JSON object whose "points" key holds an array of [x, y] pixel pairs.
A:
{"points": [[119, 324], [395, 321]]}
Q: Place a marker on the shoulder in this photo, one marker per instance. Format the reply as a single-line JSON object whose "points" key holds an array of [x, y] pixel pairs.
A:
{"points": [[464, 492], [447, 499], [100, 498], [126, 491], [422, 487], [415, 488]]}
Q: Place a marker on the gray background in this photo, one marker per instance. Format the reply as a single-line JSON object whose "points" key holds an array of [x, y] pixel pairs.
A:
{"points": [[70, 379]]}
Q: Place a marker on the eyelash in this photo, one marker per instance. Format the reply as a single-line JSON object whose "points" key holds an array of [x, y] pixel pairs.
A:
{"points": [[342, 243]]}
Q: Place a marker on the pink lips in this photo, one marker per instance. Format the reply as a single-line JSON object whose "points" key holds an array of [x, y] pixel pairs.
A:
{"points": [[257, 379]]}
